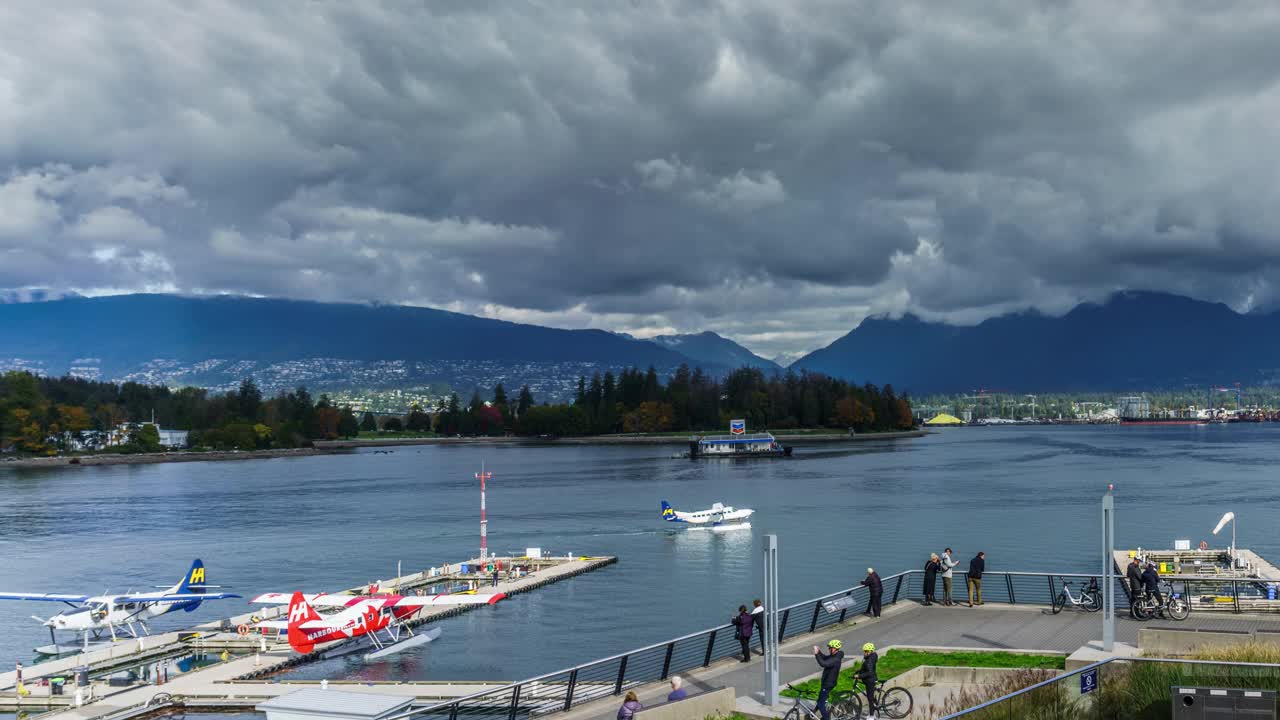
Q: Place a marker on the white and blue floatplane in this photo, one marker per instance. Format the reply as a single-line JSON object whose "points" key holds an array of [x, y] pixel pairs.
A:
{"points": [[718, 517]]}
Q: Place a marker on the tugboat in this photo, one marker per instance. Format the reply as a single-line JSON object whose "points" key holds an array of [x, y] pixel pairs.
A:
{"points": [[737, 444]]}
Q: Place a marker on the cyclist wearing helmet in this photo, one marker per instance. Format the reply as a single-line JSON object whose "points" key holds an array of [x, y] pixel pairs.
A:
{"points": [[867, 674], [830, 673]]}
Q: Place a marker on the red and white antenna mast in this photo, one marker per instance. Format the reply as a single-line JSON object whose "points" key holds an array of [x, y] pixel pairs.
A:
{"points": [[484, 524]]}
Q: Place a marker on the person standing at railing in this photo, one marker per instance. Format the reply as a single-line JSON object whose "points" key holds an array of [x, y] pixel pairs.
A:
{"points": [[830, 664], [931, 569], [757, 617], [743, 624], [1134, 575], [876, 590], [947, 566], [977, 566]]}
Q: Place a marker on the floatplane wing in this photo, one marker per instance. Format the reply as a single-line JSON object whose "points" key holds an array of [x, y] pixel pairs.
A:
{"points": [[383, 601]]}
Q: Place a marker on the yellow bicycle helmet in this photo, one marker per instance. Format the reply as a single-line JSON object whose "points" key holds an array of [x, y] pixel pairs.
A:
{"points": [[835, 644], [869, 647]]}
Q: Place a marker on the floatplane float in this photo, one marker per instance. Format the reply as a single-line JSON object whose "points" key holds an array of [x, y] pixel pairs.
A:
{"points": [[92, 616], [362, 616], [718, 517]]}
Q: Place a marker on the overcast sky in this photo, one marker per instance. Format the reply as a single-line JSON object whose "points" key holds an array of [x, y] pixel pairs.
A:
{"points": [[773, 171]]}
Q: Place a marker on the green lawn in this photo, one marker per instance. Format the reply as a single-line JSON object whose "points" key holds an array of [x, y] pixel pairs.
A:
{"points": [[393, 435], [896, 662]]}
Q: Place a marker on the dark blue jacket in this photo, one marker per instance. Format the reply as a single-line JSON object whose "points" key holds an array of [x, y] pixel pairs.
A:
{"points": [[830, 668], [977, 566]]}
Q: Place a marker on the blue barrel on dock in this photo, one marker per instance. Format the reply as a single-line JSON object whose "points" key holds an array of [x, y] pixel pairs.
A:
{"points": [[1271, 591], [465, 568]]}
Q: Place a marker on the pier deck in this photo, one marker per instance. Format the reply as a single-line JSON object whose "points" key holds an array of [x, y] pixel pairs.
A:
{"points": [[909, 624], [237, 678]]}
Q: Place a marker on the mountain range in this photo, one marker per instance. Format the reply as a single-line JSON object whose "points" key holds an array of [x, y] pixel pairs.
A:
{"points": [[1132, 342], [215, 341]]}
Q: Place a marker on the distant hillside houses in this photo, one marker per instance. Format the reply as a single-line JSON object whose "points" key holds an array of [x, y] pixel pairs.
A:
{"points": [[93, 440]]}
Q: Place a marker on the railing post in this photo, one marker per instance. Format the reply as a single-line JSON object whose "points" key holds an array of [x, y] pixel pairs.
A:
{"points": [[896, 588], [666, 662], [515, 703], [1235, 594], [711, 643], [622, 674], [1008, 580], [453, 711], [1050, 579], [568, 696], [782, 626], [817, 608]]}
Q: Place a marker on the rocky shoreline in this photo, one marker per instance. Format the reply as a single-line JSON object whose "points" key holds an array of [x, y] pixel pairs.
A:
{"points": [[165, 457]]}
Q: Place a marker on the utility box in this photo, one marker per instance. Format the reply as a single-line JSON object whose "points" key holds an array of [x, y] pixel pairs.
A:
{"points": [[533, 553], [1222, 704]]}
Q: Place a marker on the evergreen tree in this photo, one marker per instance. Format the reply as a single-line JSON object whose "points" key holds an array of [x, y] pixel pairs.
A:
{"points": [[249, 400], [368, 423], [348, 426], [525, 401]]}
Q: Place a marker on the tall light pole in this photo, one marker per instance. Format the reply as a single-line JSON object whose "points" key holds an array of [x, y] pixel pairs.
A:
{"points": [[1108, 563], [770, 639], [484, 524]]}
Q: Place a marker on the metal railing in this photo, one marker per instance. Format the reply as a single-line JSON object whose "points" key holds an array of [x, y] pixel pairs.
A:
{"points": [[612, 676], [1119, 689]]}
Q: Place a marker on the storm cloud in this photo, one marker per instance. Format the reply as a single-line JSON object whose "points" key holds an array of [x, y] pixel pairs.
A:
{"points": [[771, 171]]}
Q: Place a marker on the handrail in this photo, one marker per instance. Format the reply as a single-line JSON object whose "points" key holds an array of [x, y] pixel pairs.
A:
{"points": [[511, 692]]}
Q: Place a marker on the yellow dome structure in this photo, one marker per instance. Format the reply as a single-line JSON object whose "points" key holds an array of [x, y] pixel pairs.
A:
{"points": [[944, 419]]}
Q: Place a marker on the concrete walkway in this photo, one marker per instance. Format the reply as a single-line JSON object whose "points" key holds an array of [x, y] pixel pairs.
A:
{"points": [[987, 627]]}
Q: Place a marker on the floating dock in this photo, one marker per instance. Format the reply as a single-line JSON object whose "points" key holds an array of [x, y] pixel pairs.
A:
{"points": [[1211, 580], [239, 679]]}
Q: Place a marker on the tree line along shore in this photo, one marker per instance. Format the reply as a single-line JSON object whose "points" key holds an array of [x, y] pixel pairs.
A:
{"points": [[44, 416]]}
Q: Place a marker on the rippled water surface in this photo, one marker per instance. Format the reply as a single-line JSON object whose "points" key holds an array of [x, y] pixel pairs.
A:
{"points": [[1027, 496]]}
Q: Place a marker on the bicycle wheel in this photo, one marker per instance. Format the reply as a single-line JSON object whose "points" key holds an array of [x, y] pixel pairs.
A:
{"points": [[1092, 601], [1179, 608], [792, 714], [1059, 602], [1144, 609], [848, 707], [894, 703]]}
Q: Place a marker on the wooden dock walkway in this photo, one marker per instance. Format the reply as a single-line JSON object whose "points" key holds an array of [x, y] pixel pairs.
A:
{"points": [[228, 681]]}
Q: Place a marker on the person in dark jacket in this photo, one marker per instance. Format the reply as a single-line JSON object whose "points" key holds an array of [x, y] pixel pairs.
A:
{"points": [[830, 664], [875, 589], [931, 570], [743, 625], [757, 617], [977, 566], [1151, 583], [630, 705], [867, 674], [1134, 576]]}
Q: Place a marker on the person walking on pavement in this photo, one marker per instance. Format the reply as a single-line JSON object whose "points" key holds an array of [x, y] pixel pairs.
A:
{"points": [[630, 706], [743, 625], [931, 569], [1134, 575], [947, 566], [867, 674], [677, 689], [757, 617], [830, 664], [876, 590], [977, 566]]}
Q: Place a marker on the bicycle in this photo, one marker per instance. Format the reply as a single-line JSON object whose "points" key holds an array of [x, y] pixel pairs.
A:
{"points": [[844, 706], [891, 702], [1090, 597], [1175, 606]]}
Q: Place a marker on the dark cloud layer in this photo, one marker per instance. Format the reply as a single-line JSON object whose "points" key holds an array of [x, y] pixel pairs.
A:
{"points": [[772, 171]]}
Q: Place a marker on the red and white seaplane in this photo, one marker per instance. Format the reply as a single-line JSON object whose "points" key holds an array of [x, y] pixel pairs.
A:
{"points": [[361, 616]]}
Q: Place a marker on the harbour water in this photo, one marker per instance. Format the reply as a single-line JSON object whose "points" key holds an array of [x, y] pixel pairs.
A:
{"points": [[1028, 496]]}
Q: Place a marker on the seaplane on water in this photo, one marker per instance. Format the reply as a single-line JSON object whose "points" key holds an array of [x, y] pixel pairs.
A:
{"points": [[718, 517], [361, 616], [91, 615]]}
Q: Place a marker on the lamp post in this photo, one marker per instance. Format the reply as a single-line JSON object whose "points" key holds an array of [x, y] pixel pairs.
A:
{"points": [[1108, 563], [770, 639]]}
